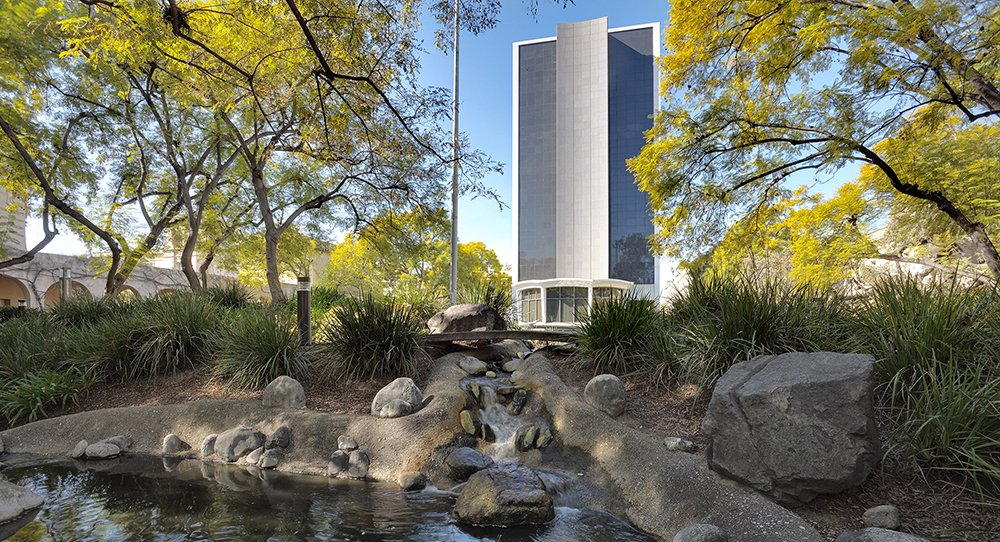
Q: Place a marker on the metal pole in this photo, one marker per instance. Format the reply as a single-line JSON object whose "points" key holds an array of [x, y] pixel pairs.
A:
{"points": [[304, 312], [64, 285], [453, 283]]}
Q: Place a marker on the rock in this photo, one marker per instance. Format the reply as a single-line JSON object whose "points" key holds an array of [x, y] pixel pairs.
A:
{"points": [[338, 463], [517, 402], [102, 450], [464, 462], [476, 392], [701, 532], [281, 438], [270, 458], [885, 516], [15, 501], [466, 318], [512, 365], [677, 444], [253, 457], [875, 534], [472, 365], [346, 443], [237, 442], [490, 374], [357, 465], [606, 393], [1, 446], [412, 481], [795, 425], [208, 445], [544, 439], [525, 437], [123, 442], [173, 444], [401, 389], [80, 451], [511, 348], [284, 392], [397, 408], [504, 495], [469, 423], [522, 355]]}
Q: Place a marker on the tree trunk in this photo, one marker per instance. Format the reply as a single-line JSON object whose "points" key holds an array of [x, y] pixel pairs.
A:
{"points": [[271, 262], [975, 230]]}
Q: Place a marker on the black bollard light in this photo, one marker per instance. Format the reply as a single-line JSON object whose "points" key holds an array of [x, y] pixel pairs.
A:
{"points": [[304, 312]]}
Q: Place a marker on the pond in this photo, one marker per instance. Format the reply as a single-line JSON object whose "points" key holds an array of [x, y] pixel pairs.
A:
{"points": [[146, 498]]}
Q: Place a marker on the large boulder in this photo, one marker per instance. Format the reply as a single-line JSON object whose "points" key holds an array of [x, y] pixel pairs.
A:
{"points": [[400, 397], [606, 393], [794, 425], [15, 501], [284, 392], [504, 495], [701, 532], [469, 317], [464, 462], [237, 442]]}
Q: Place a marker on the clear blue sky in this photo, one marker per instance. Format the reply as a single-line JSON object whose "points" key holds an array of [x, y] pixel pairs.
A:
{"points": [[485, 93]]}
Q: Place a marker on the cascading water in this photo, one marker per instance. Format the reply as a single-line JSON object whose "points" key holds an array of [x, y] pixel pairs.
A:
{"points": [[504, 425]]}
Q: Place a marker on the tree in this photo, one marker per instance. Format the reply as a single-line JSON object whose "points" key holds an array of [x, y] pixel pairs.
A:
{"points": [[762, 94], [407, 255]]}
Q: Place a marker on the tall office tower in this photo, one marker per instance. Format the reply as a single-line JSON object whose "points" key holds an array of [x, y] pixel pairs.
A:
{"points": [[582, 102]]}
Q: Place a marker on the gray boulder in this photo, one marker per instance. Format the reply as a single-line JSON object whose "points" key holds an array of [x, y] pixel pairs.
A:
{"points": [[281, 438], [15, 501], [874, 534], [338, 463], [606, 393], [795, 425], [701, 532], [472, 365], [412, 481], [173, 444], [468, 317], [397, 408], [403, 390], [80, 450], [346, 443], [123, 442], [512, 365], [238, 442], [464, 462], [885, 516], [358, 464], [504, 495], [271, 458], [102, 450], [208, 445], [284, 392]]}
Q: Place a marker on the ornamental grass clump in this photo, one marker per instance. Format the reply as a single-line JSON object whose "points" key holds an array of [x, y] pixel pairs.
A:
{"points": [[231, 295], [496, 295], [721, 320], [27, 398], [81, 312], [623, 335], [371, 337], [160, 336], [257, 345]]}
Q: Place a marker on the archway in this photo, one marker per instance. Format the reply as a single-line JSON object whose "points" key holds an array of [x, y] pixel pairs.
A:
{"points": [[13, 293], [77, 290], [165, 292], [129, 294]]}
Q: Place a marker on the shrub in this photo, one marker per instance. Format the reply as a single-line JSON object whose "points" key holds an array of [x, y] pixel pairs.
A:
{"points": [[37, 341], [370, 337], [27, 397], [9, 313], [324, 298], [258, 345], [949, 417], [80, 311], [623, 335], [231, 295], [905, 324], [497, 295], [159, 337], [720, 321]]}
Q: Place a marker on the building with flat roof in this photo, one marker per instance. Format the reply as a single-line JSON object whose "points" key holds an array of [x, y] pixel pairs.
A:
{"points": [[583, 100]]}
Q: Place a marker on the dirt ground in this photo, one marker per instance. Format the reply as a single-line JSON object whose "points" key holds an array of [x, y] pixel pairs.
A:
{"points": [[935, 509]]}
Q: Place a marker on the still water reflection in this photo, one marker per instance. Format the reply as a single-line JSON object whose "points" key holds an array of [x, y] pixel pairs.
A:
{"points": [[139, 499]]}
